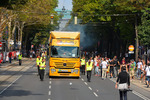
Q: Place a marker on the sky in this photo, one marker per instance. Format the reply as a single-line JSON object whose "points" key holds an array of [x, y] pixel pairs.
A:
{"points": [[66, 3]]}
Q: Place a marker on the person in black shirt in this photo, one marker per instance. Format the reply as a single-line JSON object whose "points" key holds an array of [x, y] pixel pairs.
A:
{"points": [[111, 68], [123, 77]]}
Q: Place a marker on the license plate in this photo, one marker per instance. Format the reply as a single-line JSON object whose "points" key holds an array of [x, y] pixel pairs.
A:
{"points": [[63, 70]]}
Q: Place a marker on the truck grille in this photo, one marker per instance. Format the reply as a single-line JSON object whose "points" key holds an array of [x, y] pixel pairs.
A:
{"points": [[60, 65]]}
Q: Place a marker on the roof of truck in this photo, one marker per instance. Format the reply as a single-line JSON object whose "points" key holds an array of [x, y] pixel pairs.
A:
{"points": [[65, 34]]}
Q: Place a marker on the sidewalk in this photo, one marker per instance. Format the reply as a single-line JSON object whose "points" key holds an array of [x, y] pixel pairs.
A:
{"points": [[140, 84], [12, 62]]}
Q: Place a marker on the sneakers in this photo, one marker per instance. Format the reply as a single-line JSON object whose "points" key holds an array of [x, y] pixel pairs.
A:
{"points": [[148, 86]]}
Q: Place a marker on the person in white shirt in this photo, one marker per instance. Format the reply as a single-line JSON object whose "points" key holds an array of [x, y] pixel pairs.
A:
{"points": [[95, 64], [104, 69], [147, 70], [139, 65]]}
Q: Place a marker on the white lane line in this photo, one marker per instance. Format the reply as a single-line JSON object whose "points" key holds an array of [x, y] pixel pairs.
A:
{"points": [[82, 79], [49, 93], [140, 95], [50, 82], [10, 85], [50, 87], [50, 79], [85, 83], [95, 94], [49, 99], [90, 88]]}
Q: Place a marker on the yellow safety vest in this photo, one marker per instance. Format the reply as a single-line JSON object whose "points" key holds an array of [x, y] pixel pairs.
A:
{"points": [[20, 56], [82, 61], [42, 65], [89, 67], [42, 58], [38, 61]]}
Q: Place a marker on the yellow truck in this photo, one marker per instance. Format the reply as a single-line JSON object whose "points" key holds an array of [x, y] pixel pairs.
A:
{"points": [[64, 51]]}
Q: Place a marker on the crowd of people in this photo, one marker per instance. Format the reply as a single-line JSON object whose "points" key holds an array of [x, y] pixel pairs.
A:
{"points": [[106, 67]]}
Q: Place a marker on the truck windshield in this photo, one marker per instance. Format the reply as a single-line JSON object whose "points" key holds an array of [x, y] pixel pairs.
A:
{"points": [[64, 52]]}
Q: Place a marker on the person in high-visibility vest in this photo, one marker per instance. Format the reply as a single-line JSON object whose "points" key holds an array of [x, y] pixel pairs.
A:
{"points": [[89, 67], [20, 58], [42, 57], [42, 69], [38, 60], [83, 65]]}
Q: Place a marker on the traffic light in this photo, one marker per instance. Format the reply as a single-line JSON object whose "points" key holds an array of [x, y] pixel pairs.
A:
{"points": [[52, 17]]}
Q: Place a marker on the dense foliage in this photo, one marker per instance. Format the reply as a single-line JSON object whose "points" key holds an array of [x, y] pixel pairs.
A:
{"points": [[29, 19], [116, 22]]}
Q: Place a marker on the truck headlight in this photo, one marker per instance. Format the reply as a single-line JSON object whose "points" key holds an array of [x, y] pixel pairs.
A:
{"points": [[76, 70]]}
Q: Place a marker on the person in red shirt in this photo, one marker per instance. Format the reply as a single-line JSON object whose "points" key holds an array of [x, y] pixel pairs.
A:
{"points": [[10, 54]]}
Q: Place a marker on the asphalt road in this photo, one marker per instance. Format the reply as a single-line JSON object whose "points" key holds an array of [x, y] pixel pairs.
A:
{"points": [[29, 87]]}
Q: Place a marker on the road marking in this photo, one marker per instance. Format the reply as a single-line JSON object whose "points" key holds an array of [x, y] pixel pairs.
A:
{"points": [[50, 82], [85, 83], [82, 79], [50, 79], [140, 95], [49, 93], [90, 88], [10, 85], [95, 94], [50, 87], [49, 99]]}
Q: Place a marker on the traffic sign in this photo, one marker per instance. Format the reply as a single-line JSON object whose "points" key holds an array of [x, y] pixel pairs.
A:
{"points": [[131, 48], [0, 44]]}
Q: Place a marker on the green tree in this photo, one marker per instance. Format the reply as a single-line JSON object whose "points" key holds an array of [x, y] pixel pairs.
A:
{"points": [[144, 29]]}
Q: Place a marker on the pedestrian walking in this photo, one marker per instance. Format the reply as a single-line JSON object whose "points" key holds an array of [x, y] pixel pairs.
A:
{"points": [[31, 55], [83, 65], [111, 68], [123, 65], [42, 69], [38, 60], [10, 55], [116, 64], [89, 67], [20, 58], [104, 69], [131, 69], [97, 67], [101, 69], [123, 83], [139, 65], [147, 70], [143, 67], [95, 64]]}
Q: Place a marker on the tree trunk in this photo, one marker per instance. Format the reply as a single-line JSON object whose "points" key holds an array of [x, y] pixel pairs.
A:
{"points": [[9, 33], [13, 33], [137, 40], [21, 29]]}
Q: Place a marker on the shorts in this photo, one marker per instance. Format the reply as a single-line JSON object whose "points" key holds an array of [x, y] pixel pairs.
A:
{"points": [[148, 78], [132, 73]]}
